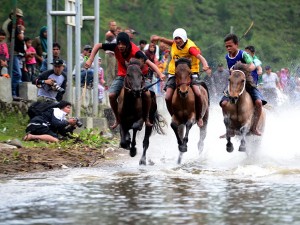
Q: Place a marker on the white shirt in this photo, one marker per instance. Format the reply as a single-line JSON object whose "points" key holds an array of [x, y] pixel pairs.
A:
{"points": [[270, 80]]}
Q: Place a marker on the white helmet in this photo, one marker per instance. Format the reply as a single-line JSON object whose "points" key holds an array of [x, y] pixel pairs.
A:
{"points": [[179, 32]]}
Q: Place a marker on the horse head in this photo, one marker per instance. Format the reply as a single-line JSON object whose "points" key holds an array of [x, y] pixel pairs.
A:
{"points": [[237, 82], [183, 76], [134, 80]]}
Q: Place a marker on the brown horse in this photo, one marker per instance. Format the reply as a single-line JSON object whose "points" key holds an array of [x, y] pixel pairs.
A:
{"points": [[184, 109], [239, 110], [130, 110]]}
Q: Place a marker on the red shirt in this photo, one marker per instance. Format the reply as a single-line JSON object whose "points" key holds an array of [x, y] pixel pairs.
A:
{"points": [[122, 62]]}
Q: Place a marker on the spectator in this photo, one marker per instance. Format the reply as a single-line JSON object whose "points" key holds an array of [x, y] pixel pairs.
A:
{"points": [[209, 81], [3, 45], [110, 60], [51, 123], [220, 77], [87, 75], [30, 61], [3, 67], [18, 61], [258, 69], [142, 45], [150, 53], [7, 25], [52, 83], [131, 33], [270, 85], [40, 45], [101, 88], [56, 55]]}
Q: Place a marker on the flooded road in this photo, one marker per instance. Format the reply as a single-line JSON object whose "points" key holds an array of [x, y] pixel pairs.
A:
{"points": [[215, 187]]}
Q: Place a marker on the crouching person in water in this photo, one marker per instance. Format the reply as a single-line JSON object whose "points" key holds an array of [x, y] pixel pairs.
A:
{"points": [[50, 124], [124, 50]]}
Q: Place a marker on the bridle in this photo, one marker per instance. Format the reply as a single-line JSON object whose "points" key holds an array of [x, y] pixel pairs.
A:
{"points": [[234, 99], [128, 86]]}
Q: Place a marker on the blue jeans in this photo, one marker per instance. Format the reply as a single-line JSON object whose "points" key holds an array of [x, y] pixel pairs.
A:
{"points": [[16, 77], [87, 76]]}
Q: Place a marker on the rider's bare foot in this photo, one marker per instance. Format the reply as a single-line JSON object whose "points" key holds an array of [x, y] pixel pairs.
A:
{"points": [[147, 123], [115, 125], [200, 123], [256, 132]]}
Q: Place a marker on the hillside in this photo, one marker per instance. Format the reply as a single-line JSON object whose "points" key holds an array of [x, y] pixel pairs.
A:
{"points": [[275, 32]]}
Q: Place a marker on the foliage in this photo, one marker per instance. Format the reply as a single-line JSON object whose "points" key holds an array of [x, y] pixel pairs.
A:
{"points": [[275, 33]]}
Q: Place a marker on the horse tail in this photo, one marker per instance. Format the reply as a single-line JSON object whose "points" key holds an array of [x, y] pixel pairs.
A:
{"points": [[159, 123], [203, 84]]}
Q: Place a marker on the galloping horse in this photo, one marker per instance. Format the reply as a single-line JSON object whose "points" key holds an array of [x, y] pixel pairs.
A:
{"points": [[130, 110], [239, 111], [183, 104]]}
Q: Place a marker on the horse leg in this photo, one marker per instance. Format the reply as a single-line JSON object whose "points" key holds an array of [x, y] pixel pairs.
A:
{"points": [[179, 158], [244, 131], [183, 146], [148, 131], [175, 128], [133, 144], [203, 133], [229, 145], [125, 138]]}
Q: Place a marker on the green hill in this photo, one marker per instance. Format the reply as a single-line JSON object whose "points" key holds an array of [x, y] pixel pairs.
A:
{"points": [[275, 32]]}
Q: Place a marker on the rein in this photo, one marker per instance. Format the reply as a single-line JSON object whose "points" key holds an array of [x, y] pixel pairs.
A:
{"points": [[182, 83]]}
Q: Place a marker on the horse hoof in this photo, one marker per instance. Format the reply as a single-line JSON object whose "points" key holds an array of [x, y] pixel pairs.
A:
{"points": [[143, 162], [229, 147], [132, 152], [183, 148], [242, 148]]}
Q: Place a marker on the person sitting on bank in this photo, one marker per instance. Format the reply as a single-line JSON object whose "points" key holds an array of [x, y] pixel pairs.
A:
{"points": [[52, 83], [50, 124]]}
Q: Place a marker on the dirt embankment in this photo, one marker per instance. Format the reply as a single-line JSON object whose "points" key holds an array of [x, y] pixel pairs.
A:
{"points": [[23, 160]]}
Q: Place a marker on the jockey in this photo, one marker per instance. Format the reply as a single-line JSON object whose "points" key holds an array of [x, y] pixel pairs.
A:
{"points": [[124, 50], [234, 55], [182, 47]]}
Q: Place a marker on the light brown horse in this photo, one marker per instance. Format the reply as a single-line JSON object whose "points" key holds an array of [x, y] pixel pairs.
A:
{"points": [[183, 105], [239, 110]]}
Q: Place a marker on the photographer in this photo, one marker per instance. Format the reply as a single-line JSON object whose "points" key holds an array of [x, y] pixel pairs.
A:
{"points": [[52, 83], [50, 124]]}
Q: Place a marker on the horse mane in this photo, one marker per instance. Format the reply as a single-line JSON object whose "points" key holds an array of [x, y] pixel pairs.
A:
{"points": [[243, 67], [183, 61], [134, 61]]}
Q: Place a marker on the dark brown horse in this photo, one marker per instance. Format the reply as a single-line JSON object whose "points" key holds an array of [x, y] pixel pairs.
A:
{"points": [[130, 110], [183, 104], [239, 110]]}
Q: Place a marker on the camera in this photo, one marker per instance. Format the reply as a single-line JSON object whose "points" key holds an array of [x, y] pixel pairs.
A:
{"points": [[78, 122], [56, 87]]}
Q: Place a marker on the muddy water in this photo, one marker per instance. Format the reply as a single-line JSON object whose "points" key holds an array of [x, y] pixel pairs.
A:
{"points": [[215, 187]]}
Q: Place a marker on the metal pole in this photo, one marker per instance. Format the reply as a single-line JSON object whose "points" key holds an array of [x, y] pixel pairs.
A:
{"points": [[12, 40], [56, 23], [77, 60], [49, 35], [96, 76], [69, 64]]}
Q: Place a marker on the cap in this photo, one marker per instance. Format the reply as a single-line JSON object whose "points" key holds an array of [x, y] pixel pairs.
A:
{"points": [[124, 38], [220, 65], [267, 67], [19, 12], [179, 32], [87, 47], [58, 62]]}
